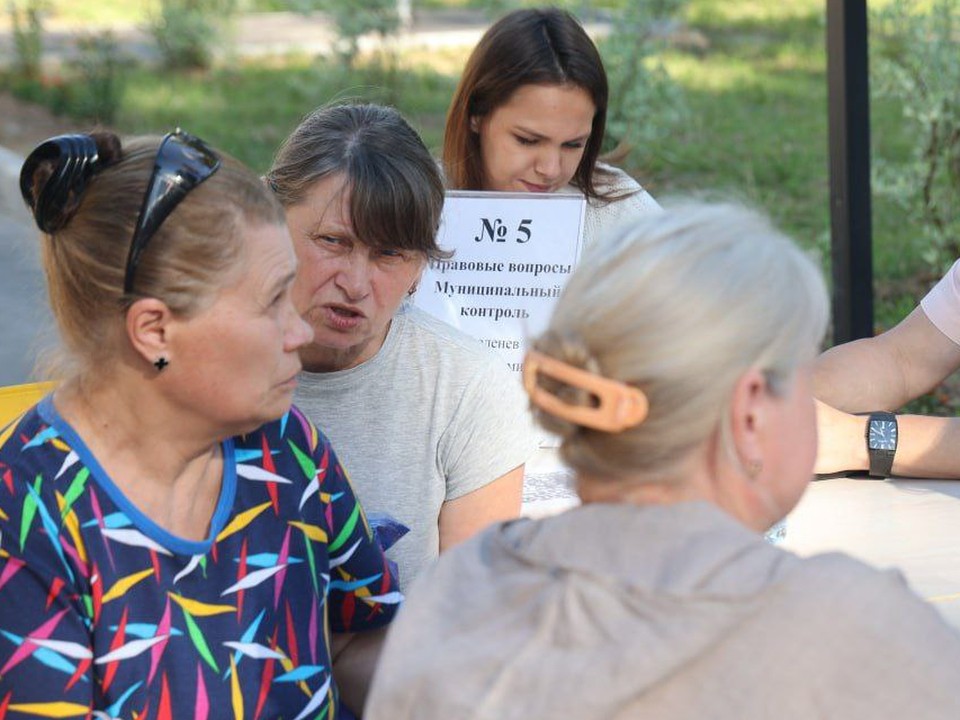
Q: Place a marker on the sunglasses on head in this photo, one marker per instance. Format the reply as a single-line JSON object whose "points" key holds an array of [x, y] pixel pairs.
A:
{"points": [[182, 163]]}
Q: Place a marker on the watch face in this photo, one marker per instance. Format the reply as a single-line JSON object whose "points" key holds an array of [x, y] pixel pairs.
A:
{"points": [[883, 435]]}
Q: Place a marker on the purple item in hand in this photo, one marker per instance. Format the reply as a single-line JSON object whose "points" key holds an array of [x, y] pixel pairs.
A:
{"points": [[386, 531]]}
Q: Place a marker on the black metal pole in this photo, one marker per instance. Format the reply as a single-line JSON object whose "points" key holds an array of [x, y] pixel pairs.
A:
{"points": [[850, 227]]}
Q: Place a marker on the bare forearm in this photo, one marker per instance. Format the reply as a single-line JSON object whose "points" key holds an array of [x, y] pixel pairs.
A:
{"points": [[886, 371], [927, 446], [883, 373], [355, 659], [466, 516], [855, 377]]}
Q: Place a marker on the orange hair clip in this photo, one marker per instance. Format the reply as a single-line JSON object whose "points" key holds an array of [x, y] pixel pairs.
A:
{"points": [[621, 406]]}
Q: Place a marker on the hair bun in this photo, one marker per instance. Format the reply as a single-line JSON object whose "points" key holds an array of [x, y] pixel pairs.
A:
{"points": [[57, 172]]}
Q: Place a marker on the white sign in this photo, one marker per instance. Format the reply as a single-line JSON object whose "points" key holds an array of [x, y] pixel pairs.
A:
{"points": [[513, 253]]}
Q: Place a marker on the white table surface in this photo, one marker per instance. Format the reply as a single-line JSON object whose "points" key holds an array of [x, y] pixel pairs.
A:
{"points": [[911, 525]]}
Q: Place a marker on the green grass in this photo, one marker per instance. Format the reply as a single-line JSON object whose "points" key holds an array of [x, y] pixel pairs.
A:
{"points": [[757, 125], [249, 110], [758, 131], [758, 120]]}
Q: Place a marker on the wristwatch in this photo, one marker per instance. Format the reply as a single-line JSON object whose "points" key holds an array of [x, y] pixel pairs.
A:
{"points": [[881, 435]]}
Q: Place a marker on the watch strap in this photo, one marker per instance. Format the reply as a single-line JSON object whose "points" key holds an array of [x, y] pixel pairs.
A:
{"points": [[881, 460]]}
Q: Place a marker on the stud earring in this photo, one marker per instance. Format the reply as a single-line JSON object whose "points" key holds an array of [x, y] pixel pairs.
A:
{"points": [[754, 468], [160, 363]]}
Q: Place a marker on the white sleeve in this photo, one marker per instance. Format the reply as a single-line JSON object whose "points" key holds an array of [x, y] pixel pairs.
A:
{"points": [[942, 304]]}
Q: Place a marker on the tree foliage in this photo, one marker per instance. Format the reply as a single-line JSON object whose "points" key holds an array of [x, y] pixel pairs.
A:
{"points": [[916, 62], [355, 19], [646, 104], [26, 23], [188, 32]]}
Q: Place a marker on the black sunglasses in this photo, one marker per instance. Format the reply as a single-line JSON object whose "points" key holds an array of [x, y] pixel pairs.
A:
{"points": [[183, 162]]}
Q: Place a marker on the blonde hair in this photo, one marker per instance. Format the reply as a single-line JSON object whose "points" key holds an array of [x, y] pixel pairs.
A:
{"points": [[680, 304], [184, 264]]}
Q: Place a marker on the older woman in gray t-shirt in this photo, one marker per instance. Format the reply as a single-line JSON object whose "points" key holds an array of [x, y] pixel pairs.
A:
{"points": [[431, 426]]}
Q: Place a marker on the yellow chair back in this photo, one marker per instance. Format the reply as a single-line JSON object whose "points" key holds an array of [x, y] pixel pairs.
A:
{"points": [[16, 399]]}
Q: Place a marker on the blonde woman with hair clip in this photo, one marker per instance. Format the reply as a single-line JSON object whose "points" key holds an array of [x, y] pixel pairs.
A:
{"points": [[677, 369], [176, 538]]}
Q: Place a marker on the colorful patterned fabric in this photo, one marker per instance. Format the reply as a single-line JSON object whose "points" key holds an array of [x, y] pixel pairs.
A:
{"points": [[102, 609]]}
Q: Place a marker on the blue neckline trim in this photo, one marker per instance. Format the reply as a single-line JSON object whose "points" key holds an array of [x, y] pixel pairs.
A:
{"points": [[173, 543]]}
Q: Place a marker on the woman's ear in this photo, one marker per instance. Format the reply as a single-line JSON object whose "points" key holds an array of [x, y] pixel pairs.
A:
{"points": [[148, 324], [748, 415], [746, 491], [475, 123]]}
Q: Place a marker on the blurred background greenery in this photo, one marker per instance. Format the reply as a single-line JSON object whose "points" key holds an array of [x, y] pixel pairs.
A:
{"points": [[709, 96]]}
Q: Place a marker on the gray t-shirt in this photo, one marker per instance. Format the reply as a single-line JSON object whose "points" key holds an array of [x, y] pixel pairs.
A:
{"points": [[433, 416]]}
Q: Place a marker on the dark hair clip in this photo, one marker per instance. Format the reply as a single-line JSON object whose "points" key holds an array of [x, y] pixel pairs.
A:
{"points": [[75, 159]]}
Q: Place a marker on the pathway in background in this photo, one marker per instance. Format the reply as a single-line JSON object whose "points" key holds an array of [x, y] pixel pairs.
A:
{"points": [[23, 300], [25, 319], [259, 34], [26, 322]]}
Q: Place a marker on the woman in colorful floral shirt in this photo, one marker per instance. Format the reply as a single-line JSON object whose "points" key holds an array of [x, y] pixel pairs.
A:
{"points": [[176, 541]]}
